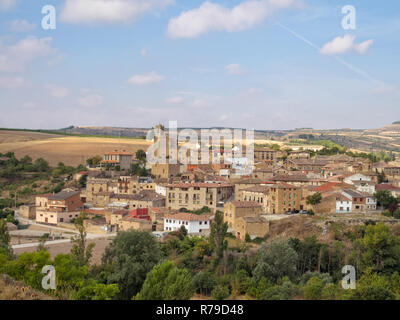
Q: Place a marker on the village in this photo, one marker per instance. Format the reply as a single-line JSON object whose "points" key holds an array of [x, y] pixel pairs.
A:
{"points": [[281, 185]]}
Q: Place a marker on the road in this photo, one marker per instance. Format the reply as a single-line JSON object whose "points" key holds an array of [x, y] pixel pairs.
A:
{"points": [[89, 236]]}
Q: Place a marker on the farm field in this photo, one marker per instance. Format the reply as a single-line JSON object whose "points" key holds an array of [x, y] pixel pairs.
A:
{"points": [[69, 150]]}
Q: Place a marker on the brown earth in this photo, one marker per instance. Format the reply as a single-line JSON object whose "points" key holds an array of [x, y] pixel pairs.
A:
{"points": [[69, 150]]}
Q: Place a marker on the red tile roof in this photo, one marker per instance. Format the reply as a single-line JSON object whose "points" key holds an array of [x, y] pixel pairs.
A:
{"points": [[245, 204], [187, 217]]}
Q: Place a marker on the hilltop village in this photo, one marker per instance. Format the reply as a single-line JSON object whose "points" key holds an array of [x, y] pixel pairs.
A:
{"points": [[169, 196]]}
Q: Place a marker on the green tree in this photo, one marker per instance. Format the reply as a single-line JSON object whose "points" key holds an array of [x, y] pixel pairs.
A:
{"points": [[81, 251], [371, 286], [167, 282], [380, 249], [314, 288], [204, 282], [219, 230], [96, 291], [220, 292], [141, 155], [5, 238], [83, 180], [128, 259], [314, 199], [41, 165], [276, 260], [384, 198]]}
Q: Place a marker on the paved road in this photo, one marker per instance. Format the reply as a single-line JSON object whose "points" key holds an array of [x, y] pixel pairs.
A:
{"points": [[89, 236]]}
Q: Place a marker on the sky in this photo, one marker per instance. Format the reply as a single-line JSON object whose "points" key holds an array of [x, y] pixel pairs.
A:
{"points": [[256, 64]]}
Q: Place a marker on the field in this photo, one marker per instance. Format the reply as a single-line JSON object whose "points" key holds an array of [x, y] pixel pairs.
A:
{"points": [[68, 149]]}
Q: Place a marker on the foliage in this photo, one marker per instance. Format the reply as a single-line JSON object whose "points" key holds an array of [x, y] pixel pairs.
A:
{"points": [[128, 259], [96, 291], [219, 230], [81, 251], [314, 199], [385, 198], [5, 246], [276, 260], [220, 292], [167, 282], [140, 155]]}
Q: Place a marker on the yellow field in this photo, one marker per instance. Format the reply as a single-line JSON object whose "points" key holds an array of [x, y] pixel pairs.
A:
{"points": [[70, 150]]}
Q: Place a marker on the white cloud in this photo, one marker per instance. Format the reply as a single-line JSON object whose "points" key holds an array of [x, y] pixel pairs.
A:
{"points": [[341, 45], [146, 78], [57, 91], [21, 25], [109, 11], [7, 4], [12, 82], [214, 17], [176, 99], [18, 55], [234, 69], [89, 98]]}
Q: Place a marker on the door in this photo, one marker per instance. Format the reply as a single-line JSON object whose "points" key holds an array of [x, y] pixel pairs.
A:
{"points": [[46, 220]]}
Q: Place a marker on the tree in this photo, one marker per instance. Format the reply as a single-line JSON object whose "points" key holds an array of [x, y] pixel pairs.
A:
{"points": [[42, 242], [371, 286], [384, 198], [96, 291], [167, 282], [5, 238], [81, 251], [220, 292], [219, 230], [276, 260], [94, 160], [41, 165], [204, 282], [380, 249], [128, 259], [83, 180], [314, 288], [314, 199], [141, 155]]}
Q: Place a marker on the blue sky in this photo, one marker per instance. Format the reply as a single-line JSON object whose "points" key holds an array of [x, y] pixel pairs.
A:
{"points": [[260, 64]]}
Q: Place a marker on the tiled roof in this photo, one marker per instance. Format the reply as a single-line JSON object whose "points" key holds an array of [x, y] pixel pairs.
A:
{"points": [[187, 217], [245, 204], [63, 195], [386, 186], [199, 184], [121, 153], [291, 178], [258, 189]]}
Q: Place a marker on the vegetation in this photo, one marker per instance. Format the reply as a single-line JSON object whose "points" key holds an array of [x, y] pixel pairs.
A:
{"points": [[314, 199]]}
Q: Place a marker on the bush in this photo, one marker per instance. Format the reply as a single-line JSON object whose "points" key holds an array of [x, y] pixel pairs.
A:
{"points": [[396, 214], [310, 212], [220, 292]]}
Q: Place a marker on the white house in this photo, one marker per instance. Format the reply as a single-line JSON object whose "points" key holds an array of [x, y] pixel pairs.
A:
{"points": [[370, 203], [344, 204], [356, 177], [193, 223], [161, 189], [365, 186]]}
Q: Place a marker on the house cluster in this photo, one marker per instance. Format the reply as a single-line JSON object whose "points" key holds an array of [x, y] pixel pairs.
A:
{"points": [[176, 194]]}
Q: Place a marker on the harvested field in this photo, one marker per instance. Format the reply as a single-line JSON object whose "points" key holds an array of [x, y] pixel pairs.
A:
{"points": [[70, 150]]}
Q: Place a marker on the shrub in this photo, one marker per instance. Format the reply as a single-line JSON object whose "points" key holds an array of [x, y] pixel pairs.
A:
{"points": [[220, 292]]}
